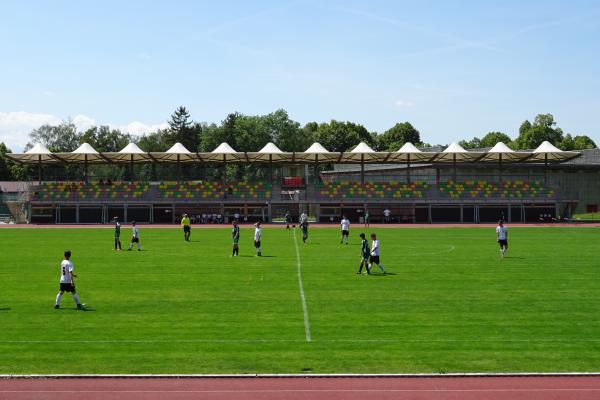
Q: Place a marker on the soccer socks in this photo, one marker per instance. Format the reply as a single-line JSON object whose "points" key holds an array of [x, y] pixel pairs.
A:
{"points": [[76, 298], [58, 297], [381, 268]]}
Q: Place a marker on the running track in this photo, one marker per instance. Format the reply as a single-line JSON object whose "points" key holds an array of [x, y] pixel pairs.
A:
{"points": [[320, 225], [352, 388]]}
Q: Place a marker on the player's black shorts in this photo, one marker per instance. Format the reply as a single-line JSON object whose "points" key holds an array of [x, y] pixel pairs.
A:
{"points": [[187, 228], [345, 233], [503, 243], [374, 259], [257, 243], [67, 287], [135, 240]]}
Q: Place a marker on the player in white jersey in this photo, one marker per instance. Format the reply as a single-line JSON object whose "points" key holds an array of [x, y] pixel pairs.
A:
{"points": [[257, 238], [502, 237], [67, 281], [345, 224], [374, 258], [135, 236]]}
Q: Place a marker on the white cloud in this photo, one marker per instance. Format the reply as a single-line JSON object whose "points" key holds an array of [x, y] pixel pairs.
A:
{"points": [[139, 128], [83, 122], [404, 103], [15, 126]]}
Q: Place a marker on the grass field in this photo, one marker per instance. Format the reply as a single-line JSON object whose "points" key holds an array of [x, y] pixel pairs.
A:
{"points": [[449, 305]]}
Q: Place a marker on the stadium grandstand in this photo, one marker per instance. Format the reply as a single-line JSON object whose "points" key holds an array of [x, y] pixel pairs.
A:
{"points": [[448, 185]]}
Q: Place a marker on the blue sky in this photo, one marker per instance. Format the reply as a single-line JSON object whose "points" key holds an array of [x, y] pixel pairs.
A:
{"points": [[453, 69]]}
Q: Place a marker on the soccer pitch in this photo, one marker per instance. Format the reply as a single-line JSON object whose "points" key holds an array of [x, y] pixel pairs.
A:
{"points": [[448, 304]]}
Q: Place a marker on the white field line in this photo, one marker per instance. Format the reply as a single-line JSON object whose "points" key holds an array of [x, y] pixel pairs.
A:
{"points": [[302, 297], [234, 341]]}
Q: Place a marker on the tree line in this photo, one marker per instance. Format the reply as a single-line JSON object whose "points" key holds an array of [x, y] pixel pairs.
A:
{"points": [[252, 132]]}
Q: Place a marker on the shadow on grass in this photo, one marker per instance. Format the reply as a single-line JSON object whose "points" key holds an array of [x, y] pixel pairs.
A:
{"points": [[382, 275], [5, 309], [75, 309]]}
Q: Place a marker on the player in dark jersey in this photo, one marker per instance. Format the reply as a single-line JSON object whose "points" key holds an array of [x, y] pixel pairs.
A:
{"points": [[235, 234], [304, 226], [117, 233], [365, 252]]}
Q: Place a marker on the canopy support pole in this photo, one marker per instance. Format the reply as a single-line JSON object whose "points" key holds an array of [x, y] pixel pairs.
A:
{"points": [[271, 171], [85, 170], [454, 165], [178, 168], [500, 169], [131, 170], [224, 170], [408, 169], [545, 168], [362, 169], [40, 169]]}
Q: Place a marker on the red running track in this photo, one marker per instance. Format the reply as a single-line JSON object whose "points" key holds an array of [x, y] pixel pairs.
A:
{"points": [[414, 388]]}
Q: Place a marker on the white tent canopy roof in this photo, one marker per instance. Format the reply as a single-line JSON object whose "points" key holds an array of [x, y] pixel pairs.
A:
{"points": [[362, 147], [84, 153], [501, 148], [224, 148], [454, 148], [547, 147], [316, 153], [408, 147], [455, 152], [270, 148], [129, 153], [38, 149], [132, 148], [38, 153], [316, 148], [178, 148], [501, 152], [547, 152], [410, 153], [177, 153]]}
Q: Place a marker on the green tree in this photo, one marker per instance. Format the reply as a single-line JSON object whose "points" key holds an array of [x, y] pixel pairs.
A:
{"points": [[6, 166], [543, 129], [61, 138], [395, 137], [490, 139], [183, 130], [286, 133], [579, 142], [342, 136], [582, 142], [474, 143], [105, 139]]}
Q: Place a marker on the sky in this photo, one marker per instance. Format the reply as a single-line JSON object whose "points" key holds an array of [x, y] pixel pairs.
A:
{"points": [[454, 69]]}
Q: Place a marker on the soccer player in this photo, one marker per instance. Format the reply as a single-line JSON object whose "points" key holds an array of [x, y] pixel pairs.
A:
{"points": [[135, 236], [67, 281], [257, 237], [502, 237], [235, 234], [367, 218], [304, 226], [345, 224], [374, 259], [364, 255], [117, 233], [187, 227], [288, 219]]}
